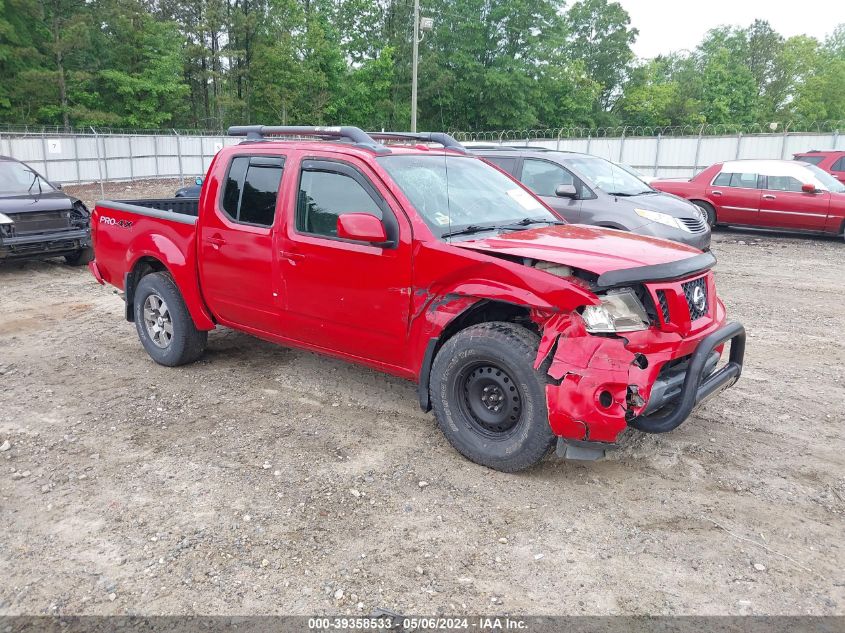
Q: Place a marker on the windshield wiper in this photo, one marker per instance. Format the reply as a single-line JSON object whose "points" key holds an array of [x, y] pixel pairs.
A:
{"points": [[623, 194], [35, 179], [469, 230], [528, 222]]}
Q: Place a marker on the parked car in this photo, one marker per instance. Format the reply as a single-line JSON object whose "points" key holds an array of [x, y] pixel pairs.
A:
{"points": [[38, 220], [586, 189], [777, 194], [521, 331], [830, 160], [191, 191]]}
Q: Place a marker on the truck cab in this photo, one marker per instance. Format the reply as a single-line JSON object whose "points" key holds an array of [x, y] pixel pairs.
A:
{"points": [[402, 252]]}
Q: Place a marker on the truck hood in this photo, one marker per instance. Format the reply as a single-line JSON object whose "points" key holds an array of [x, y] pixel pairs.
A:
{"points": [[53, 201], [589, 248]]}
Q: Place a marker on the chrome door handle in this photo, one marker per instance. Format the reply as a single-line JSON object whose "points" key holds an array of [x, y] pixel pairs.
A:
{"points": [[717, 193], [768, 196]]}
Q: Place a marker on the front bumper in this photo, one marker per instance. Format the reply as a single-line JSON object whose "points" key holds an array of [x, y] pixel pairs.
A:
{"points": [[45, 244], [649, 380], [667, 410]]}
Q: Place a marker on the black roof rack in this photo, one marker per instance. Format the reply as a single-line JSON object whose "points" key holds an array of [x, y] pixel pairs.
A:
{"points": [[346, 133], [441, 138]]}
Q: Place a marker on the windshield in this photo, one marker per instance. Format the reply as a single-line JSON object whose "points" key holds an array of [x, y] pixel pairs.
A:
{"points": [[455, 192], [18, 179], [830, 183], [608, 177]]}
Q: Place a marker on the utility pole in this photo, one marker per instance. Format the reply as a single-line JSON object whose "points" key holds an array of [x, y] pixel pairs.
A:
{"points": [[414, 63]]}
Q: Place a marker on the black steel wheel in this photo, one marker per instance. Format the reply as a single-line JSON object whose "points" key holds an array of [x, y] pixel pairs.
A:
{"points": [[488, 399]]}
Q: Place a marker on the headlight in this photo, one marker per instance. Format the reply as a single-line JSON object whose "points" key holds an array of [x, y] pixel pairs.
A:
{"points": [[5, 219], [619, 311], [661, 218]]}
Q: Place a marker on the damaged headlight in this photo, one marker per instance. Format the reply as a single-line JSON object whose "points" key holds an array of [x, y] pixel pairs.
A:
{"points": [[662, 218], [619, 311]]}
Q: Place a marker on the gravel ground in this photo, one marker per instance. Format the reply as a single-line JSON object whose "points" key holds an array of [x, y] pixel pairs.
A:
{"points": [[269, 480]]}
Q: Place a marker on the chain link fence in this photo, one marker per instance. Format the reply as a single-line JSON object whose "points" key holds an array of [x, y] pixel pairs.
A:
{"points": [[85, 155], [673, 152]]}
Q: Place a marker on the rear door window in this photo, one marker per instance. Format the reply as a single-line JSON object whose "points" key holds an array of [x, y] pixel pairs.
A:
{"points": [[839, 165], [252, 188], [745, 181], [813, 160]]}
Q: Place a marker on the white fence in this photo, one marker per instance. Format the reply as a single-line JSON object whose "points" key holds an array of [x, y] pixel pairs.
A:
{"points": [[79, 158], [683, 156]]}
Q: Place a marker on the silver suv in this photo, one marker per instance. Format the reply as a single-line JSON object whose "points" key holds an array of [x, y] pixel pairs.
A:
{"points": [[586, 189]]}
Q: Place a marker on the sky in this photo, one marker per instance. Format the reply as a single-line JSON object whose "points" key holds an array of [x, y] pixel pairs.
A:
{"points": [[667, 26]]}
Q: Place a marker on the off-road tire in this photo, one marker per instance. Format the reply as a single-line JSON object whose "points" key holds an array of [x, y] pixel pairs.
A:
{"points": [[186, 343], [80, 257], [709, 211], [513, 349]]}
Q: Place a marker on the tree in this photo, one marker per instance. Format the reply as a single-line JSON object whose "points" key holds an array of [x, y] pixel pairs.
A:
{"points": [[601, 37]]}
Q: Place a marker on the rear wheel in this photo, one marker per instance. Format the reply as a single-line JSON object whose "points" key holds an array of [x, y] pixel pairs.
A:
{"points": [[488, 399], [708, 210], [164, 325]]}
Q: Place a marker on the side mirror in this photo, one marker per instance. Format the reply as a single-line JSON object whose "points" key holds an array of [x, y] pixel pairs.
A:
{"points": [[566, 191], [808, 188], [198, 181], [56, 185], [361, 227]]}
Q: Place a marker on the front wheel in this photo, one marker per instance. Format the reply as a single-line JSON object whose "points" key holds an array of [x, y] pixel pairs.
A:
{"points": [[164, 325], [488, 399], [708, 211]]}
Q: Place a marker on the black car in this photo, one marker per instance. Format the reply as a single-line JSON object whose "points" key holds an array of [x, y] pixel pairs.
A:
{"points": [[38, 220], [191, 191]]}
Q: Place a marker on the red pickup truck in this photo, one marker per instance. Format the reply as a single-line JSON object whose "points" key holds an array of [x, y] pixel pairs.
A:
{"points": [[522, 332]]}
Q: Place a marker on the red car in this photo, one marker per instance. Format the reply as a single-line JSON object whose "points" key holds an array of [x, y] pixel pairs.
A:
{"points": [[830, 160], [522, 331], [776, 194]]}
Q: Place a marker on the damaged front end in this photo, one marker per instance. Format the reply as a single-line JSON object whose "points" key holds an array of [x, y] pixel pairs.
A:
{"points": [[606, 375]]}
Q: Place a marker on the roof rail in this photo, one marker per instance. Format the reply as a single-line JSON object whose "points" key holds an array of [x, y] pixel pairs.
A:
{"points": [[447, 141], [347, 133]]}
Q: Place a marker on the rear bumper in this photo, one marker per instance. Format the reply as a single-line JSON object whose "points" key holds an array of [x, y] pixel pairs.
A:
{"points": [[44, 244]]}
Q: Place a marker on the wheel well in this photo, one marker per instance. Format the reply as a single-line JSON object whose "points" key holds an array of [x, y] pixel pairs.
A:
{"points": [[485, 311], [143, 267], [704, 202], [482, 312]]}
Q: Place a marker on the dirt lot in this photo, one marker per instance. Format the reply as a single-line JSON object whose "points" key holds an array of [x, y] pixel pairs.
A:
{"points": [[269, 480]]}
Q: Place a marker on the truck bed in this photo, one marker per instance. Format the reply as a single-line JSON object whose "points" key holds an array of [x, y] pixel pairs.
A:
{"points": [[185, 206]]}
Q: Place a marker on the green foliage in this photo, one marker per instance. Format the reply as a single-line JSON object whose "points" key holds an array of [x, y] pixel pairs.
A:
{"points": [[488, 64]]}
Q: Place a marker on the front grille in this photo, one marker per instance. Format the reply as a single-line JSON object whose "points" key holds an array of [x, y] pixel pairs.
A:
{"points": [[664, 305], [695, 225], [40, 221], [698, 302]]}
